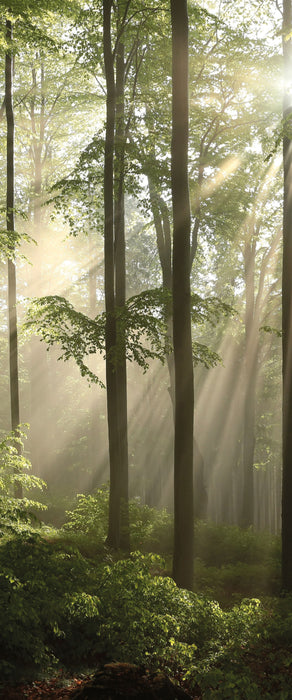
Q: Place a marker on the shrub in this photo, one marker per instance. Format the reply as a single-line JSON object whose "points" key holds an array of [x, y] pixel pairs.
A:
{"points": [[36, 580], [16, 514], [143, 615], [219, 545], [90, 514], [151, 529], [56, 606]]}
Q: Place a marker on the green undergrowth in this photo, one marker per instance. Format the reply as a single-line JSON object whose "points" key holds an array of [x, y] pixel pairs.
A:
{"points": [[230, 563], [151, 530], [67, 602]]}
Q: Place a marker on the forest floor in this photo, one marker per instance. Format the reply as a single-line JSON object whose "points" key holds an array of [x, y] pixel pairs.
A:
{"points": [[123, 681], [112, 682], [53, 688]]}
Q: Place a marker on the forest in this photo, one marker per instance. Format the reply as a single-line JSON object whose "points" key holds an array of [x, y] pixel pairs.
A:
{"points": [[145, 349]]}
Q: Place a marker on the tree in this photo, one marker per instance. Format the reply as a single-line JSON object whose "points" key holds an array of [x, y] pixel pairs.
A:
{"points": [[183, 557], [287, 303], [257, 257], [109, 283], [43, 87], [116, 69], [219, 128], [12, 312], [27, 19], [120, 274]]}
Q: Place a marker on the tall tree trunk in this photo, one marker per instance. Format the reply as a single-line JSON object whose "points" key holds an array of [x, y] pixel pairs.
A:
{"points": [[115, 279], [250, 375], [287, 304], [12, 312], [41, 444], [120, 288], [115, 290], [113, 538], [164, 246], [183, 559]]}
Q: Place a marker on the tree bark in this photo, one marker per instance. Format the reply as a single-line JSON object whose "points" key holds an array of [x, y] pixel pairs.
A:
{"points": [[12, 312], [164, 246], [250, 376], [183, 559], [120, 289], [287, 304], [39, 379], [113, 537]]}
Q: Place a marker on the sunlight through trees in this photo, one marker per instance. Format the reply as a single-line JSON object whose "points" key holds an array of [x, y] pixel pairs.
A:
{"points": [[145, 349]]}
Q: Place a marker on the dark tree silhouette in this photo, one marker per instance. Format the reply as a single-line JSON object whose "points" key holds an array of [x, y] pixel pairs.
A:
{"points": [[287, 304], [109, 281], [115, 279], [182, 340], [12, 313]]}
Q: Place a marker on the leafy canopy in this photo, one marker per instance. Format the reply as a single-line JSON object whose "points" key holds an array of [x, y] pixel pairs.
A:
{"points": [[141, 329]]}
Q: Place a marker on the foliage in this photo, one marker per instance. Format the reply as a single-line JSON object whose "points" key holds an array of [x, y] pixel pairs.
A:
{"points": [[10, 243], [52, 597], [283, 129], [90, 515], [59, 607], [232, 581], [150, 529], [36, 579], [77, 196], [56, 321], [140, 324], [16, 513], [268, 329], [231, 562], [33, 22], [228, 544], [150, 611]]}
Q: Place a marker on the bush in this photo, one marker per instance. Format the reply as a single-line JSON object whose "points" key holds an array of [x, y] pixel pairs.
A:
{"points": [[142, 615], [16, 514], [218, 545], [151, 529], [58, 607], [36, 581], [90, 515]]}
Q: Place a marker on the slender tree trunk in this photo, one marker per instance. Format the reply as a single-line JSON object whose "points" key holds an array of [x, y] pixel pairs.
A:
{"points": [[41, 445], [287, 304], [183, 560], [164, 246], [115, 281], [250, 376], [93, 428], [113, 538], [120, 279], [12, 312]]}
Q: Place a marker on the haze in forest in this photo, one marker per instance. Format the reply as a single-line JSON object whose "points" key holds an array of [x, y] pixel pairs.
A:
{"points": [[236, 204], [145, 337]]}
